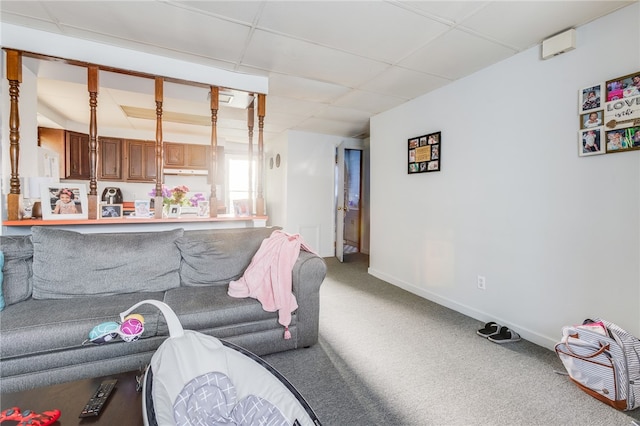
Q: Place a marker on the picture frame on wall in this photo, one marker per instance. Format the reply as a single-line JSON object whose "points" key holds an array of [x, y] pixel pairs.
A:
{"points": [[591, 119], [620, 140], [111, 211], [627, 86], [622, 109], [591, 141], [64, 201], [425, 153], [590, 98]]}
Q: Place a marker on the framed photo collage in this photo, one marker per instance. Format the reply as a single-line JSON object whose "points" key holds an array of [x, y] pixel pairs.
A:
{"points": [[610, 116], [425, 153]]}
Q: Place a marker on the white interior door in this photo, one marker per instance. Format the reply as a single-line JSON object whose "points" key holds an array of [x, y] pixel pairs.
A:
{"points": [[340, 202]]}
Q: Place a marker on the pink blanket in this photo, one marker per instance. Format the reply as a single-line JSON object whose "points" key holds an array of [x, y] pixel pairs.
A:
{"points": [[268, 276]]}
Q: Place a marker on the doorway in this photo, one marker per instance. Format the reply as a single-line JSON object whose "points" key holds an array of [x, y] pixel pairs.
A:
{"points": [[349, 163], [353, 192]]}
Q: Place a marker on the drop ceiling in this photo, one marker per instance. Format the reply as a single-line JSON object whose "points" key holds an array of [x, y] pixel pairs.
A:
{"points": [[331, 65]]}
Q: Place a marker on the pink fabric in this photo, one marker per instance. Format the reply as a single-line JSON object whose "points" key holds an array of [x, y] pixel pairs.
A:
{"points": [[268, 276]]}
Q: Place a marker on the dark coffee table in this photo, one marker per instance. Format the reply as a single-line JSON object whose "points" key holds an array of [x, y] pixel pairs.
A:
{"points": [[124, 407]]}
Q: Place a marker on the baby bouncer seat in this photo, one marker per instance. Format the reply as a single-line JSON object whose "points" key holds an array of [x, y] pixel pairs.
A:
{"points": [[196, 379]]}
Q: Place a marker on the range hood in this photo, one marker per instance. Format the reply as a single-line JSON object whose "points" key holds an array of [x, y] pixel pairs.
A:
{"points": [[186, 172]]}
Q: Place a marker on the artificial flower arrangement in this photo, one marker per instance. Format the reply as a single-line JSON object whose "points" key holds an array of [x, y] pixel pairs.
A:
{"points": [[178, 195]]}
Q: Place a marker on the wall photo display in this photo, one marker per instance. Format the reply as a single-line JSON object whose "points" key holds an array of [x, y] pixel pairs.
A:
{"points": [[610, 116], [622, 113], [425, 153]]}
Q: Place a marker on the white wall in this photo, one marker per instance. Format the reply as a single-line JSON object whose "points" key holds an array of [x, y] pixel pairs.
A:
{"points": [[275, 181], [305, 187], [556, 235]]}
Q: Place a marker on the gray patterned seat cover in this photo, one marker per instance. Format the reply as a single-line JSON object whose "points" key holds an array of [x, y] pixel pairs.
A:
{"points": [[210, 399]]}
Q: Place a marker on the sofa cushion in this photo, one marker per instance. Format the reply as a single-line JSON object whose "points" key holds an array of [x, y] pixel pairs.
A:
{"points": [[18, 254], [215, 257], [70, 264], [46, 326], [1, 277], [205, 308]]}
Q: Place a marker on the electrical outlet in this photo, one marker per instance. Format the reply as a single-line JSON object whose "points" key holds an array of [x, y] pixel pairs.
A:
{"points": [[482, 282]]}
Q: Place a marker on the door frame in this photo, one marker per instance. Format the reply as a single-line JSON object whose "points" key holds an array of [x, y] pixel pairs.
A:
{"points": [[339, 207]]}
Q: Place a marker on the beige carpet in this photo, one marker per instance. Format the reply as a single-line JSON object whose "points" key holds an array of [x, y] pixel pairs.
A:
{"points": [[388, 357]]}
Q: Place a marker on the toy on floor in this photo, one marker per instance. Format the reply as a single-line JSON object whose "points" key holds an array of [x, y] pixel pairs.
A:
{"points": [[28, 417]]}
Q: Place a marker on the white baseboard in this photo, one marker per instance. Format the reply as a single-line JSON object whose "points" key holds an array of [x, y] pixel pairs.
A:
{"points": [[527, 334]]}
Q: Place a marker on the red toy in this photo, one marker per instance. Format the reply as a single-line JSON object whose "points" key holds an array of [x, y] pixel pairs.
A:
{"points": [[28, 417]]}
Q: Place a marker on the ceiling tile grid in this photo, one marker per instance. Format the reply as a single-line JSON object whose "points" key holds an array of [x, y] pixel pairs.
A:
{"points": [[331, 64]]}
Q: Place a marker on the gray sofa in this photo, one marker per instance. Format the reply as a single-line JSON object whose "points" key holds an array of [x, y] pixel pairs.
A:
{"points": [[59, 284]]}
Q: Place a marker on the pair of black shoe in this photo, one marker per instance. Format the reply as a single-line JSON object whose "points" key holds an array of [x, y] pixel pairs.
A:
{"points": [[498, 333]]}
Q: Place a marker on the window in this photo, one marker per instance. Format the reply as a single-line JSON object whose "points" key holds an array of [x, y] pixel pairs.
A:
{"points": [[238, 179]]}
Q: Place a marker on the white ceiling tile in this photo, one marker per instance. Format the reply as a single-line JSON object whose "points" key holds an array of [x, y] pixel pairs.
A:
{"points": [[372, 103], [530, 22], [298, 106], [162, 25], [317, 125], [344, 114], [456, 54], [453, 11], [290, 56], [303, 88], [331, 64], [244, 11], [388, 33], [403, 83]]}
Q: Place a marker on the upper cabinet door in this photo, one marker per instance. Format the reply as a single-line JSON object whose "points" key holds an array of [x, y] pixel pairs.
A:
{"points": [[140, 160], [186, 156], [174, 155], [77, 155], [197, 156], [110, 158]]}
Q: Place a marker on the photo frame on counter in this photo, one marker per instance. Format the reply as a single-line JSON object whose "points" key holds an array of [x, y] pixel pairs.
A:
{"points": [[64, 201], [591, 141], [241, 207], [425, 153], [110, 211], [174, 210], [203, 208]]}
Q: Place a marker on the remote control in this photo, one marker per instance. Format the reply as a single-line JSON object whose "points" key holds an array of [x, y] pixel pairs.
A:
{"points": [[99, 398]]}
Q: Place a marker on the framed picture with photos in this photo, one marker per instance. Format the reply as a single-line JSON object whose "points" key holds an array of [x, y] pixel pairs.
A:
{"points": [[425, 153]]}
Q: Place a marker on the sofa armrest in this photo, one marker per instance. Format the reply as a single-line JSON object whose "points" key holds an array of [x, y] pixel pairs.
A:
{"points": [[308, 273]]}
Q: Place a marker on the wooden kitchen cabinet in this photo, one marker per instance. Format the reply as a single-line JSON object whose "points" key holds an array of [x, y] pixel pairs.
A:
{"points": [[186, 156], [76, 155], [110, 158], [53, 140], [140, 160], [197, 156]]}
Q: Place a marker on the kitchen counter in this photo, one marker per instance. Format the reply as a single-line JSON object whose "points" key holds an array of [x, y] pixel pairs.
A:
{"points": [[131, 224]]}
